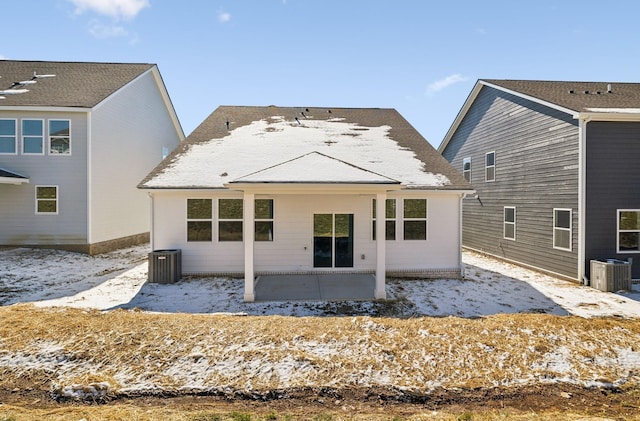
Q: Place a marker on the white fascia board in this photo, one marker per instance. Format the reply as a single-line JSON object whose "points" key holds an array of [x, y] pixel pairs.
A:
{"points": [[47, 109], [13, 180], [597, 116], [308, 188]]}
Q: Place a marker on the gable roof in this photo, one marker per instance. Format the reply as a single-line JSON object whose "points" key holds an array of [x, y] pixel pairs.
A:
{"points": [[76, 84], [316, 168], [607, 101], [9, 177], [236, 141]]}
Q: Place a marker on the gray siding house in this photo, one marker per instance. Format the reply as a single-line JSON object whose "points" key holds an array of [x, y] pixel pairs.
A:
{"points": [[554, 166], [75, 139]]}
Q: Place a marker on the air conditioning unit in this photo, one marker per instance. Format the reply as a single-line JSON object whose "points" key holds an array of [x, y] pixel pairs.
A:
{"points": [[611, 275], [165, 266]]}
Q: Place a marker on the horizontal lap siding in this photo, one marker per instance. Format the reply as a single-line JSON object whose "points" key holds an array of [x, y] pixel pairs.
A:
{"points": [[536, 171], [612, 183]]}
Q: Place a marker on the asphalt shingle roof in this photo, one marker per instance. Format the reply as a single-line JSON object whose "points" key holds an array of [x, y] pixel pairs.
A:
{"points": [[577, 96], [371, 138], [76, 84]]}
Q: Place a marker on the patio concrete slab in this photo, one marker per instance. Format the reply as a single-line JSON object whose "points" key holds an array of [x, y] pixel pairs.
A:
{"points": [[316, 287]]}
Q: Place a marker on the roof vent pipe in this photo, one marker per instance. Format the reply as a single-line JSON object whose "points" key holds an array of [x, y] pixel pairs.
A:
{"points": [[586, 92], [609, 88], [570, 91]]}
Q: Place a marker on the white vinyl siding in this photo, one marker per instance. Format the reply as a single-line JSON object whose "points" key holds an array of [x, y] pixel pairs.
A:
{"points": [[562, 229], [509, 220], [628, 231]]}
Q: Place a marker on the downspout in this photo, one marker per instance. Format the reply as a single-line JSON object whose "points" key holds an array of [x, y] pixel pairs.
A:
{"points": [[460, 264], [89, 181], [582, 205], [152, 230]]}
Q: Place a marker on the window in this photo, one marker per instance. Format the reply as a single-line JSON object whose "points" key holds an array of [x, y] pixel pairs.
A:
{"points": [[47, 199], [264, 220], [230, 219], [628, 231], [32, 137], [7, 137], [415, 219], [199, 220], [509, 223], [562, 229], [466, 169], [390, 219], [490, 166], [59, 137]]}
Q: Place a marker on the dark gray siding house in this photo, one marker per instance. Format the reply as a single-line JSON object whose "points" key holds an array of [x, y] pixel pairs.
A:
{"points": [[553, 165]]}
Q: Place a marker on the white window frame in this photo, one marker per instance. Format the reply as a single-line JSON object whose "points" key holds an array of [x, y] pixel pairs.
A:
{"points": [[466, 173], [405, 219], [505, 222], [15, 136], [272, 220], [49, 137], [22, 136], [187, 220], [487, 167], [240, 219], [57, 200], [618, 231], [570, 229], [386, 219]]}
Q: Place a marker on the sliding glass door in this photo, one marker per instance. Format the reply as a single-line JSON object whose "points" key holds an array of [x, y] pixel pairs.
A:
{"points": [[333, 240]]}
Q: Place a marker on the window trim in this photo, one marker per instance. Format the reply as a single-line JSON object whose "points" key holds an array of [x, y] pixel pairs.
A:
{"points": [[618, 231], [394, 220], [241, 220], [22, 136], [505, 222], [425, 219], [466, 161], [49, 137], [187, 220], [15, 136], [272, 220], [487, 167], [570, 229], [57, 200]]}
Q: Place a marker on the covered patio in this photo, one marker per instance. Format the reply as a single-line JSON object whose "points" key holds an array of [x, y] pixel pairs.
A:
{"points": [[316, 287]]}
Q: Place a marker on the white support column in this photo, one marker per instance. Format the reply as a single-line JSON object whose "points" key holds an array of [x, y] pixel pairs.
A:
{"points": [[248, 224], [381, 254]]}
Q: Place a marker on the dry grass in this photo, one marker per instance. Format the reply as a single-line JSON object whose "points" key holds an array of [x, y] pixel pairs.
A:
{"points": [[136, 351]]}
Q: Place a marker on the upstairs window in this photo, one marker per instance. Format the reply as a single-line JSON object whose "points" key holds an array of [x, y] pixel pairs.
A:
{"points": [[199, 220], [230, 214], [466, 169], [490, 166], [415, 219], [390, 219], [46, 199], [60, 137], [509, 231], [562, 229], [8, 136], [264, 219], [32, 137], [628, 231]]}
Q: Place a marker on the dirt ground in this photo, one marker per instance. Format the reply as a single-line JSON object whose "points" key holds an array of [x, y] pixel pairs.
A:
{"points": [[530, 402]]}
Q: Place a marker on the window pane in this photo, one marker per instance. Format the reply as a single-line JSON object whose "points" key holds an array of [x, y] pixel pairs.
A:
{"points": [[390, 211], [373, 211], [415, 208], [7, 127], [264, 209], [199, 209], [415, 230], [230, 208], [510, 231], [509, 215], [629, 241], [230, 231], [390, 227], [491, 174], [32, 128], [7, 145], [60, 145], [562, 239], [629, 220], [199, 231], [59, 128], [491, 159], [466, 164], [32, 145], [563, 219], [46, 192], [47, 206], [264, 231]]}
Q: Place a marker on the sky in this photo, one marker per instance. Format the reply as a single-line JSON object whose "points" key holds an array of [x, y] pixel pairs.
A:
{"points": [[421, 57]]}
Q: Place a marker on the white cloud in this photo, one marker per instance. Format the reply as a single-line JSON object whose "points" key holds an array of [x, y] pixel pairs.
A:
{"points": [[118, 9], [441, 84], [224, 17], [102, 31]]}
